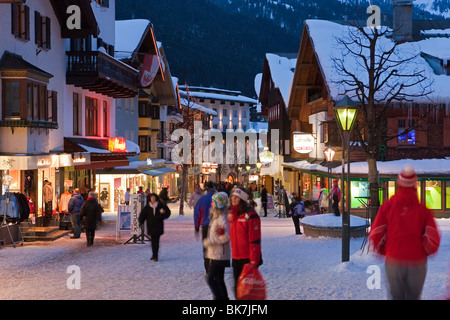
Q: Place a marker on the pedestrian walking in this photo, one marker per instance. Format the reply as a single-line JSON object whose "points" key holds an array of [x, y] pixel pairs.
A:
{"points": [[127, 197], [74, 207], [245, 234], [264, 200], [196, 195], [405, 232], [91, 214], [217, 245], [335, 194], [154, 213], [201, 217]]}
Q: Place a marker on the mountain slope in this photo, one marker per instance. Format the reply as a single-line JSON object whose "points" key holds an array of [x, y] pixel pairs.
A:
{"points": [[222, 43], [206, 45]]}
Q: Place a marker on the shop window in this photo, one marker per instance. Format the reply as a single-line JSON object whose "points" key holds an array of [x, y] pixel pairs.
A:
{"points": [[359, 194], [408, 138], [433, 195], [447, 194]]}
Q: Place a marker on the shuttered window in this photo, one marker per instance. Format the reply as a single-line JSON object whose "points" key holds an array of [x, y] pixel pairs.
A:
{"points": [[20, 21], [42, 30]]}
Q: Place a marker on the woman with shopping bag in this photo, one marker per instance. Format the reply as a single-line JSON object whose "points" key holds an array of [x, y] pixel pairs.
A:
{"points": [[245, 236]]}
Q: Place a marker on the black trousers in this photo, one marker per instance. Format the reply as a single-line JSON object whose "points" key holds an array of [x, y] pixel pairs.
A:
{"points": [[264, 205], [48, 214], [216, 279], [90, 235], [155, 245], [296, 220], [336, 206]]}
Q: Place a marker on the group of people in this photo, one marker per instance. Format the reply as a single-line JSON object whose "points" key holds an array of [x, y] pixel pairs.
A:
{"points": [[86, 210], [231, 229]]}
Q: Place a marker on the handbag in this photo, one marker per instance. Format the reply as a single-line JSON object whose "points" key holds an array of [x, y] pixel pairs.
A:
{"points": [[251, 284]]}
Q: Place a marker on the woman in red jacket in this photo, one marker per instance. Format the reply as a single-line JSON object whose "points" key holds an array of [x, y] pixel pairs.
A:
{"points": [[405, 232], [245, 233]]}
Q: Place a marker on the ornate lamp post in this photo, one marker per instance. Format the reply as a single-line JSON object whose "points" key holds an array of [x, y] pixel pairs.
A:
{"points": [[329, 153], [346, 112]]}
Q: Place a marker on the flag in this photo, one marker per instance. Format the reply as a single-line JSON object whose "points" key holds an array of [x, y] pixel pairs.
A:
{"points": [[149, 70]]}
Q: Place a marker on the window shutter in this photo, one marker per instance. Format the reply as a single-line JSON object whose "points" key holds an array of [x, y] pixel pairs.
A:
{"points": [[54, 106], [15, 22], [392, 130], [446, 132], [48, 31], [37, 28], [27, 22], [421, 134]]}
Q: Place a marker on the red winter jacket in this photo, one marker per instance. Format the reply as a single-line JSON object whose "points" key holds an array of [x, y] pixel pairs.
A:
{"points": [[404, 229], [245, 235]]}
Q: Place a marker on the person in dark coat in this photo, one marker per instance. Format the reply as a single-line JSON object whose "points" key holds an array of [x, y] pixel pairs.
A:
{"points": [[154, 213], [74, 207], [164, 195], [91, 214], [264, 200]]}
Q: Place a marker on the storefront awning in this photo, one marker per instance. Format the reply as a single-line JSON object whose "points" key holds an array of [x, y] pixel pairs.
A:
{"points": [[158, 172]]}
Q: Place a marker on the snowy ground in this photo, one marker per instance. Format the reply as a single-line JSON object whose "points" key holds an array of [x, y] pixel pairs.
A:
{"points": [[295, 267]]}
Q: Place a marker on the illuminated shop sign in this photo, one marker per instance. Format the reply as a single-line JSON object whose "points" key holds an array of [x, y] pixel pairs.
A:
{"points": [[117, 144]]}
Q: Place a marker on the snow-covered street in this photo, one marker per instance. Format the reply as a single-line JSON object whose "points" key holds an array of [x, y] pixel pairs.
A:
{"points": [[295, 267]]}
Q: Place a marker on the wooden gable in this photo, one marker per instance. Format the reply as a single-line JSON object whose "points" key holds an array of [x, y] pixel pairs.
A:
{"points": [[309, 93]]}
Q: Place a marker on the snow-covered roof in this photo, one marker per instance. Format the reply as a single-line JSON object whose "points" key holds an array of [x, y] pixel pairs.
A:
{"points": [[128, 36], [282, 72], [324, 35], [422, 167], [196, 106], [219, 96]]}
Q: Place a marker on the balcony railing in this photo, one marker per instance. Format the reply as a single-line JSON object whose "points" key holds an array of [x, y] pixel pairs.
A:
{"points": [[99, 72]]}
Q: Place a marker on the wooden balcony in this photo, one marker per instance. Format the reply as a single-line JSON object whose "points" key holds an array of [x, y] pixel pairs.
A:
{"points": [[101, 73]]}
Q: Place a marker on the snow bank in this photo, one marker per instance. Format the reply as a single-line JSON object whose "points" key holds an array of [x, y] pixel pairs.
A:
{"points": [[329, 220]]}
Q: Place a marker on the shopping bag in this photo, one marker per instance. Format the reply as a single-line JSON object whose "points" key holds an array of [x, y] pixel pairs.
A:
{"points": [[251, 284]]}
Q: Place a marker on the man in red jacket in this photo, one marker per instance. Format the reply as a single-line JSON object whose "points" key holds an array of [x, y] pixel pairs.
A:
{"points": [[245, 233], [405, 232]]}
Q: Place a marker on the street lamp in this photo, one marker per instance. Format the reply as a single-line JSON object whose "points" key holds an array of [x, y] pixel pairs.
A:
{"points": [[329, 153], [346, 112]]}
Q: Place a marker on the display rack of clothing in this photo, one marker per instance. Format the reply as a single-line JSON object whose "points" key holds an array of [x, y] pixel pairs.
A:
{"points": [[14, 209]]}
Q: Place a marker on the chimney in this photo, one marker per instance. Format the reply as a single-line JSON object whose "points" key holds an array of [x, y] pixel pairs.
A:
{"points": [[402, 20]]}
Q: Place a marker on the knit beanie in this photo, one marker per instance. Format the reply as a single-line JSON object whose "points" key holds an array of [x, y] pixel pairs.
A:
{"points": [[407, 178], [220, 199], [240, 194]]}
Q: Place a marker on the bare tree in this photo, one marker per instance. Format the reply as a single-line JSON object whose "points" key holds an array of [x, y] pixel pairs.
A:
{"points": [[377, 72], [190, 116]]}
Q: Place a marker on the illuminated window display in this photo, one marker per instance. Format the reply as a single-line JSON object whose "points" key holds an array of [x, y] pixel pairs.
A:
{"points": [[433, 195]]}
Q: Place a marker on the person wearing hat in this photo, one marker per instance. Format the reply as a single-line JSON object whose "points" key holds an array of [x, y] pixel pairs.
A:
{"points": [[217, 245], [335, 194], [405, 232], [245, 233]]}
